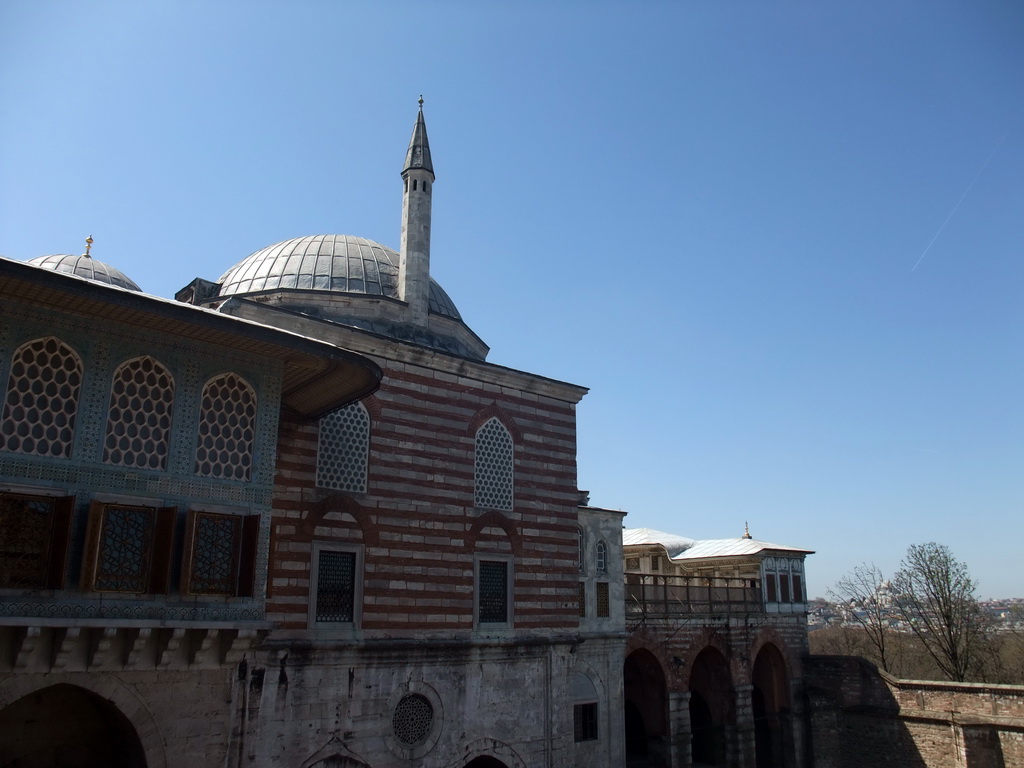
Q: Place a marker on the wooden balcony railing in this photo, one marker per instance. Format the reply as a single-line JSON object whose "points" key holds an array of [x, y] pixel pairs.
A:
{"points": [[651, 596]]}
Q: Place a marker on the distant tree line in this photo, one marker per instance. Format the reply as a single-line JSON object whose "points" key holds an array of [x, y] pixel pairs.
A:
{"points": [[924, 623]]}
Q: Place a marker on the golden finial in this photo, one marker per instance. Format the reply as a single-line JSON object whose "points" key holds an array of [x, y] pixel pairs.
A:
{"points": [[421, 102], [746, 531], [88, 247]]}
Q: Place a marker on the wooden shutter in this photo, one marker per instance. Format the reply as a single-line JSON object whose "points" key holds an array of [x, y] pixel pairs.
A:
{"points": [[63, 511], [163, 542], [247, 558]]}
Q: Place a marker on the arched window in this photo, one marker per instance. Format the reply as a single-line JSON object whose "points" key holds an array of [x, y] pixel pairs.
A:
{"points": [[581, 540], [343, 449], [227, 428], [42, 399], [139, 421], [494, 466], [602, 557]]}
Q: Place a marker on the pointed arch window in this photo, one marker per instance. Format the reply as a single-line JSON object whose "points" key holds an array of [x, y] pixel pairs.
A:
{"points": [[343, 449], [227, 428], [139, 420], [602, 557], [495, 454], [41, 403]]}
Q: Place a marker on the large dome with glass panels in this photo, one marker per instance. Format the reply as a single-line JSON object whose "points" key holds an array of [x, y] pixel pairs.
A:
{"points": [[328, 263], [87, 267]]}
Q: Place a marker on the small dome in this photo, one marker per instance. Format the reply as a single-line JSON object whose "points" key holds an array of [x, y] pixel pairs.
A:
{"points": [[87, 267], [333, 263]]}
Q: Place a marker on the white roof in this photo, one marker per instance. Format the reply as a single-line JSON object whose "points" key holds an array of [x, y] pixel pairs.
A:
{"points": [[682, 548]]}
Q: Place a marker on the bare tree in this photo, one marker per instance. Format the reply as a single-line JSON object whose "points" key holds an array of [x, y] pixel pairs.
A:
{"points": [[863, 598], [935, 595]]}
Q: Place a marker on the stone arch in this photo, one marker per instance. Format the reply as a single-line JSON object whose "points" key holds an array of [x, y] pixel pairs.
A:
{"points": [[328, 502], [489, 753], [113, 724], [478, 534], [334, 755], [645, 695], [770, 705], [495, 411], [711, 706]]}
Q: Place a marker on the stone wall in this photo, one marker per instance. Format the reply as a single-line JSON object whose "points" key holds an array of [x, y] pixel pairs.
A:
{"points": [[861, 717]]}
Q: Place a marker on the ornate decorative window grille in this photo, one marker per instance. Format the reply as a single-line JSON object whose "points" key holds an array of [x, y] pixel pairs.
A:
{"points": [[335, 586], [128, 548], [42, 399], [343, 449], [495, 460], [221, 552], [493, 592], [33, 540], [412, 720], [139, 421], [603, 603], [227, 428]]}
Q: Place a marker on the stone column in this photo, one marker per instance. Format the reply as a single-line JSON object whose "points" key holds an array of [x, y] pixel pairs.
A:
{"points": [[741, 734], [679, 729]]}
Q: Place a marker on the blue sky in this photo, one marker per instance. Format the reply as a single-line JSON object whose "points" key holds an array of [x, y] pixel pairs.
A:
{"points": [[731, 220]]}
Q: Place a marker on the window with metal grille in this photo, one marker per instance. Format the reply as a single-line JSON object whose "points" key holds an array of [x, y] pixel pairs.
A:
{"points": [[227, 428], [220, 553], [495, 457], [584, 722], [34, 534], [343, 449], [602, 557], [655, 563], [139, 420], [128, 548], [42, 399], [492, 592], [335, 587], [583, 598], [603, 604], [412, 720]]}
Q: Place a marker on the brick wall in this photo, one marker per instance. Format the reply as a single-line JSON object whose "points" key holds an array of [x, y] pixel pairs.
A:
{"points": [[861, 717], [417, 523]]}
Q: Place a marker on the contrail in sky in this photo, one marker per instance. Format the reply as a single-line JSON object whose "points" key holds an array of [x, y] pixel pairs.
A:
{"points": [[966, 191]]}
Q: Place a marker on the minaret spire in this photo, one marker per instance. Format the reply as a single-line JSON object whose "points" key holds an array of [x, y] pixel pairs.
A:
{"points": [[414, 262]]}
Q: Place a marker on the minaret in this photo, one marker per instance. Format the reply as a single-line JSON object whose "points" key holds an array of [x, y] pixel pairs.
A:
{"points": [[414, 264]]}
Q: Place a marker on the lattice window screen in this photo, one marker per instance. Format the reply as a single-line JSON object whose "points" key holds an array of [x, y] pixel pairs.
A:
{"points": [[343, 450], [139, 421], [25, 534], [227, 428], [42, 399], [494, 466], [493, 594], [335, 586], [412, 719]]}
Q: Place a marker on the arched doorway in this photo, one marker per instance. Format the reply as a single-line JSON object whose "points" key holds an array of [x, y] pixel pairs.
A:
{"points": [[485, 762], [770, 705], [64, 725], [646, 710], [711, 711]]}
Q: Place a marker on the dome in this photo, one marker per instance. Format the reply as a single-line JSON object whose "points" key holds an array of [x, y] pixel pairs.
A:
{"points": [[87, 267], [333, 263]]}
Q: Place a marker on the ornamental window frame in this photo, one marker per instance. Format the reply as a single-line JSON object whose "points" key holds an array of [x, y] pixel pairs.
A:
{"points": [[330, 547], [489, 559], [216, 432], [601, 551], [239, 579], [494, 459], [54, 409], [53, 533], [585, 710], [144, 423], [342, 442], [103, 545]]}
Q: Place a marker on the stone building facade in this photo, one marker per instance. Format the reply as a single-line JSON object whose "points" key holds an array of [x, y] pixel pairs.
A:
{"points": [[295, 518], [718, 635]]}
